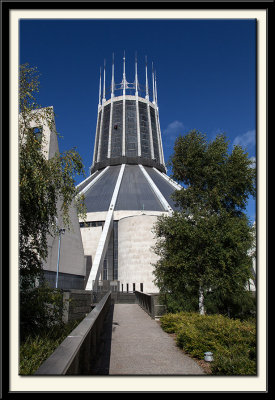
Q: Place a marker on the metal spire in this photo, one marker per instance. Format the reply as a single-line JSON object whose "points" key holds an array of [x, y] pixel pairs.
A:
{"points": [[147, 90], [124, 75], [99, 95], [156, 93], [153, 80], [104, 99], [113, 77], [136, 75]]}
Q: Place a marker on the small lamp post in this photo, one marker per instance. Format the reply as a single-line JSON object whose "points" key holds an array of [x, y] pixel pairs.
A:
{"points": [[208, 356], [61, 232]]}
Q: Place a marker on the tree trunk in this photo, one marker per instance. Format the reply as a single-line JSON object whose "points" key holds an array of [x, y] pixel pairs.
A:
{"points": [[201, 302]]}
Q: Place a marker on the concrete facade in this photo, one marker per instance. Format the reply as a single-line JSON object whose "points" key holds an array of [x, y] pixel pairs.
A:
{"points": [[72, 259], [128, 127], [135, 242], [72, 264], [135, 253]]}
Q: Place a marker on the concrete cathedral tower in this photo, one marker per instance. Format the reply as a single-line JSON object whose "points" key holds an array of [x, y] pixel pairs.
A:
{"points": [[128, 187]]}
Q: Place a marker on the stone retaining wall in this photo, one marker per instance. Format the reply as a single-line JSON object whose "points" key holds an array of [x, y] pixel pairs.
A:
{"points": [[77, 304]]}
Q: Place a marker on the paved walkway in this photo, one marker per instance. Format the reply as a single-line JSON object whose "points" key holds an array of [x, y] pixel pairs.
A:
{"points": [[135, 344]]}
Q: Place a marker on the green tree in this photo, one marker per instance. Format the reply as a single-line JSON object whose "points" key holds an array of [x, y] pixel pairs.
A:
{"points": [[203, 249], [44, 187]]}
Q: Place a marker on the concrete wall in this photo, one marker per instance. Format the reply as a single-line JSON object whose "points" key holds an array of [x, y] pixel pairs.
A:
{"points": [[134, 246], [79, 351], [65, 281], [44, 118], [90, 238], [72, 259], [135, 239], [77, 304]]}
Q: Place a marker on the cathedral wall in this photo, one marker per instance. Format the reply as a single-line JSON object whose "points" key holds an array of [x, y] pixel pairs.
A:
{"points": [[72, 264], [135, 239], [90, 239], [71, 250]]}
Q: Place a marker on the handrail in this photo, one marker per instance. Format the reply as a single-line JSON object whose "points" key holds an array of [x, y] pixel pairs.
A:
{"points": [[149, 302], [75, 354]]}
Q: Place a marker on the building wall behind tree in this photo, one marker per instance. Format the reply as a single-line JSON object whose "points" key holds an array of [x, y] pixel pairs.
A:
{"points": [[72, 264], [135, 254]]}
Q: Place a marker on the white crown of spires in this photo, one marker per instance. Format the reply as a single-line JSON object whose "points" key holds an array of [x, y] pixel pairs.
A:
{"points": [[124, 85]]}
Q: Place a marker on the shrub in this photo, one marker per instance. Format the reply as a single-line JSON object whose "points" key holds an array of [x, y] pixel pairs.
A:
{"points": [[36, 348], [232, 342], [40, 307]]}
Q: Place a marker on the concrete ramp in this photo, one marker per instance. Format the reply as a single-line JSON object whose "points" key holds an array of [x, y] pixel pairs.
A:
{"points": [[135, 344]]}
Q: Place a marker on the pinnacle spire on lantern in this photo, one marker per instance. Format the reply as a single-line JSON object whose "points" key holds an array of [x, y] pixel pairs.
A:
{"points": [[147, 89], [124, 75], [128, 87], [128, 125], [153, 83], [136, 75], [156, 93], [99, 95], [113, 77], [104, 98]]}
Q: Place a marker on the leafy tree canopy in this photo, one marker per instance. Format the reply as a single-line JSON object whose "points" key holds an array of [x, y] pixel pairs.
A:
{"points": [[216, 180], [204, 247], [46, 187]]}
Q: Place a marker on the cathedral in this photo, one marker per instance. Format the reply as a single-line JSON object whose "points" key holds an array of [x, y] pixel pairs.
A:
{"points": [[127, 188], [126, 191]]}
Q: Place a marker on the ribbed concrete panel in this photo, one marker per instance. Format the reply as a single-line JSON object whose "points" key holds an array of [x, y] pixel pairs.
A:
{"points": [[131, 129], [135, 192], [99, 196], [97, 136], [164, 186], [144, 130], [154, 134], [105, 132], [117, 125]]}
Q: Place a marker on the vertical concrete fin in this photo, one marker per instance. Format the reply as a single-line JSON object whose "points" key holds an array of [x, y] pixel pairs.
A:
{"points": [[161, 155], [138, 128], [99, 94], [136, 75], [104, 98], [104, 238], [146, 79], [113, 77], [150, 131], [153, 83]]}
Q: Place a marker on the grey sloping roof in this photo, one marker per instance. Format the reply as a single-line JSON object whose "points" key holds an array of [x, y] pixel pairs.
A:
{"points": [[135, 192], [165, 187], [98, 197], [84, 183]]}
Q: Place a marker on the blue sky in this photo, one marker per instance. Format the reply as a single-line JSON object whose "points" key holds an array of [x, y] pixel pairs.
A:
{"points": [[206, 75]]}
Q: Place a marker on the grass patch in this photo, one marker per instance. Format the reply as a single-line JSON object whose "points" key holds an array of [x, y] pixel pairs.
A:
{"points": [[36, 348], [232, 342]]}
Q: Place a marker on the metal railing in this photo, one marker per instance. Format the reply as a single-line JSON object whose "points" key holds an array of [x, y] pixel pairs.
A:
{"points": [[77, 352], [149, 302]]}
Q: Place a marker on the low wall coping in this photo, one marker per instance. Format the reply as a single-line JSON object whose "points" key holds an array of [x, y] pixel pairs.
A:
{"points": [[60, 360]]}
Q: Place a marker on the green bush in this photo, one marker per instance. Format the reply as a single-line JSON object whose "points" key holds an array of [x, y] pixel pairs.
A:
{"points": [[242, 305], [188, 301], [40, 307], [232, 342], [37, 347]]}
